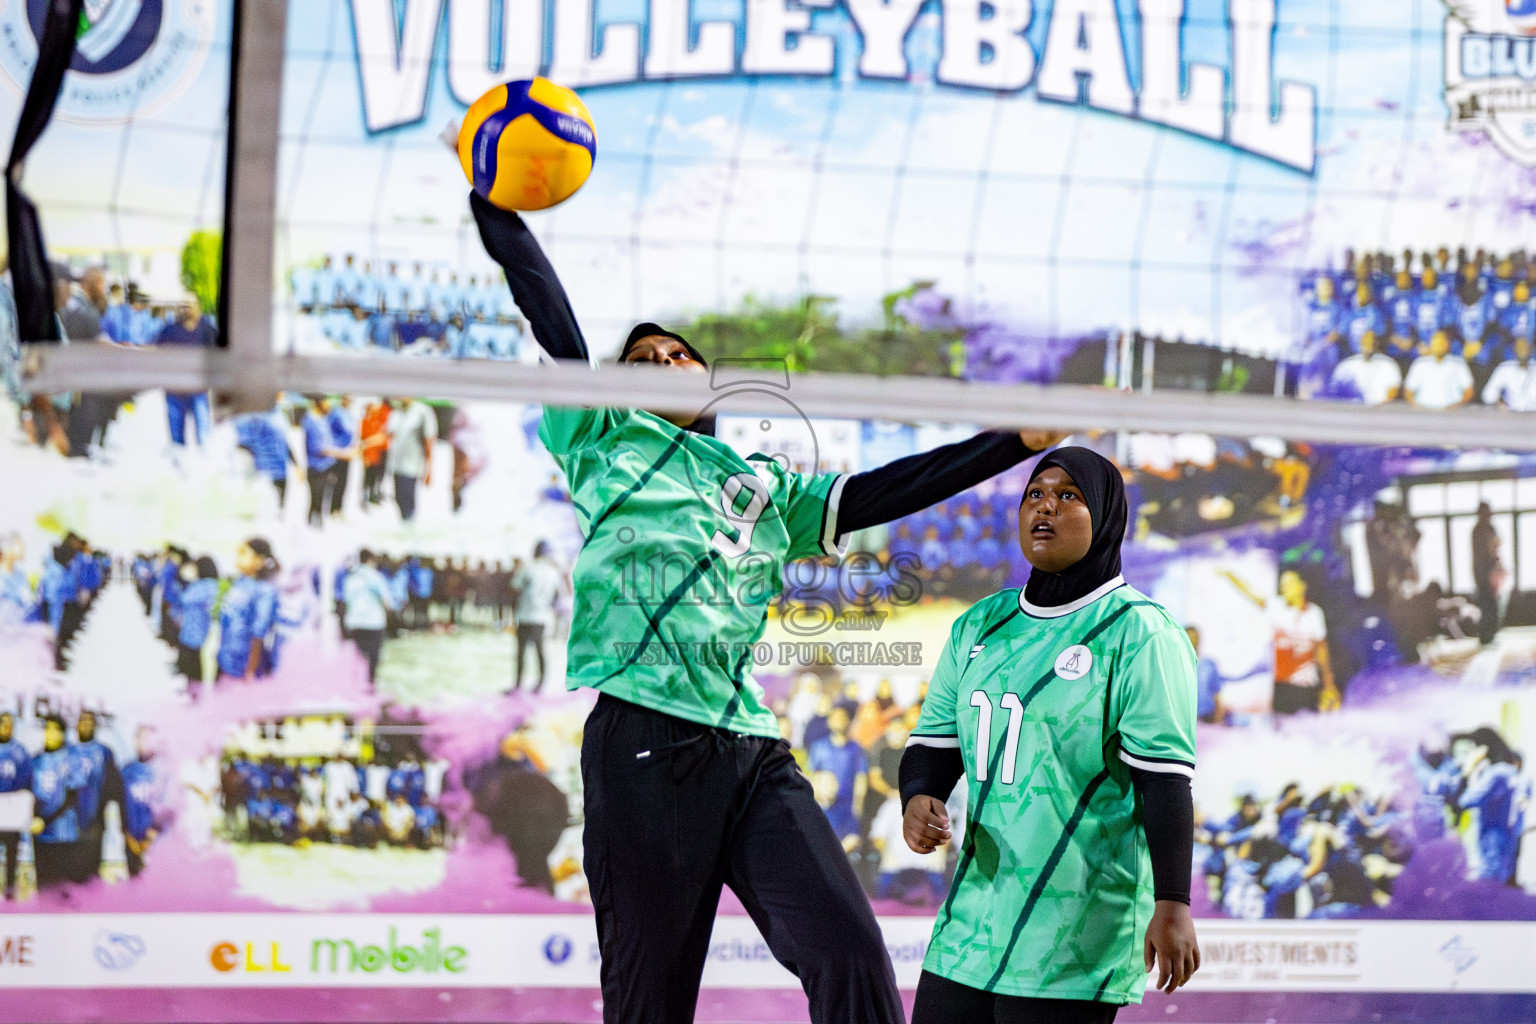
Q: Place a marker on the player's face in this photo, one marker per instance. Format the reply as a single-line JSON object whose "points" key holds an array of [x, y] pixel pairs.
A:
{"points": [[1055, 524], [1368, 342], [1439, 344], [86, 729], [669, 352], [6, 727], [1522, 349], [1522, 292], [1431, 279], [53, 736]]}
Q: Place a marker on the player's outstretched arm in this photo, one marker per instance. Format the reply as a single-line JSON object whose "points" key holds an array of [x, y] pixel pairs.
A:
{"points": [[911, 484], [534, 284]]}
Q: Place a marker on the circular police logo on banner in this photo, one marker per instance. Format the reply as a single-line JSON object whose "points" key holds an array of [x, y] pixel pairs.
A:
{"points": [[557, 949], [131, 56], [1074, 662]]}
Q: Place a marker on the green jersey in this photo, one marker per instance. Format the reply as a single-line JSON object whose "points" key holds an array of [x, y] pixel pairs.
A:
{"points": [[1050, 708], [685, 547]]}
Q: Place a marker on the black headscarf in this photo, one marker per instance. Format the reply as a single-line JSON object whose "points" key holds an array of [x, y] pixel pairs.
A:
{"points": [[1104, 492], [645, 330]]}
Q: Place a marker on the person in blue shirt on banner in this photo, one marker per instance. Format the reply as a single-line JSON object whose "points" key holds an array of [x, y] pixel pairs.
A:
{"points": [[198, 598], [1319, 353], [129, 322], [408, 780], [1360, 316], [248, 614], [368, 600], [262, 434], [1400, 316], [18, 599], [320, 455], [1500, 286], [1471, 307], [1432, 311], [343, 426], [56, 782], [419, 600], [144, 786], [349, 282], [59, 592], [1517, 320], [142, 570], [166, 617], [458, 343], [190, 328], [839, 772], [1491, 778], [394, 293], [15, 777], [100, 783]]}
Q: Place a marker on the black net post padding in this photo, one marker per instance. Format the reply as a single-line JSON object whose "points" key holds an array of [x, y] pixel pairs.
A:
{"points": [[31, 277]]}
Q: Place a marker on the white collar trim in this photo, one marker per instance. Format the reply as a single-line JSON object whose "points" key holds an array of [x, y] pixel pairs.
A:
{"points": [[1057, 611]]}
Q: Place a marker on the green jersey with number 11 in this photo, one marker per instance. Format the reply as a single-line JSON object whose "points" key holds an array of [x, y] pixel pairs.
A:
{"points": [[1050, 708], [685, 547]]}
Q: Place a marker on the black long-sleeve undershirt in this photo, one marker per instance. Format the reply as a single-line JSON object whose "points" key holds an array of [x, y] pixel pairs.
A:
{"points": [[913, 483], [535, 285], [1168, 811], [868, 499]]}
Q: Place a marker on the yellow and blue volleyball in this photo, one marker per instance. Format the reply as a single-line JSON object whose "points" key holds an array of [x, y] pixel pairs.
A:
{"points": [[527, 145]]}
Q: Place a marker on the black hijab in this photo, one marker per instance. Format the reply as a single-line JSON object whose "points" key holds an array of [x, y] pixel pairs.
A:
{"points": [[645, 330], [1104, 492]]}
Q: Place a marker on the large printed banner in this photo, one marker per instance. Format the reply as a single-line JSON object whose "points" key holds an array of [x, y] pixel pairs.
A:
{"points": [[282, 731]]}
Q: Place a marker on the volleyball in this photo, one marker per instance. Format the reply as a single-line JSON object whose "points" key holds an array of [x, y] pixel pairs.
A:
{"points": [[527, 145]]}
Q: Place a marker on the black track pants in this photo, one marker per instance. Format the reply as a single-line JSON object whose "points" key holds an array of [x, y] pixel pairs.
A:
{"points": [[674, 810]]}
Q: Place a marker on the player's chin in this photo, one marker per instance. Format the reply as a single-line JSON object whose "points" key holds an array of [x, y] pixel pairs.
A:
{"points": [[677, 419]]}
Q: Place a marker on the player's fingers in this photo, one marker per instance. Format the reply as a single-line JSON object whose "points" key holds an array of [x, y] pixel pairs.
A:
{"points": [[1147, 952], [1197, 958], [1164, 972]]}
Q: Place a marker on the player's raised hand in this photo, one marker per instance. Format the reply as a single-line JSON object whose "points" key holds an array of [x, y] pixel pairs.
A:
{"points": [[925, 824], [1040, 440], [1171, 944]]}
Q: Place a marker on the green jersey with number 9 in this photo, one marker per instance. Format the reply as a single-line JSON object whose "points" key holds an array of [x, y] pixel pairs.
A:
{"points": [[1050, 708], [685, 547]]}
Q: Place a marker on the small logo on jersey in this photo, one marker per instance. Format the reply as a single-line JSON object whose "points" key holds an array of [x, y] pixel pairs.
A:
{"points": [[1490, 73], [130, 55], [1074, 662], [978, 649]]}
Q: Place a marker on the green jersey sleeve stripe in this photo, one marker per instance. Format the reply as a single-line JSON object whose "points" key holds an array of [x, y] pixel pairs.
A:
{"points": [[644, 478], [1157, 764], [1038, 889], [944, 742], [968, 851], [829, 542]]}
